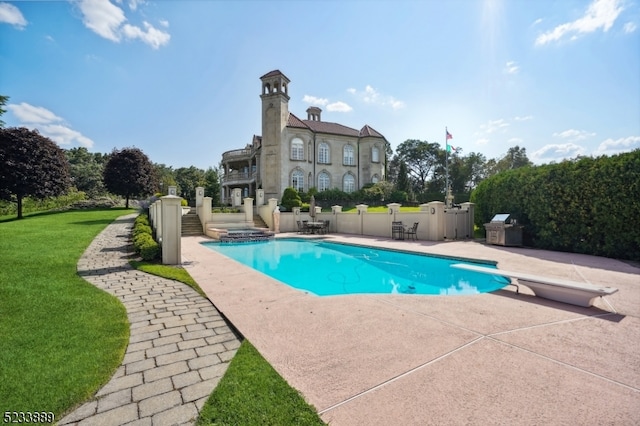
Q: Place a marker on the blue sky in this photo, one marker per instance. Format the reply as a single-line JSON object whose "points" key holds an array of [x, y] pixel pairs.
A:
{"points": [[180, 79]]}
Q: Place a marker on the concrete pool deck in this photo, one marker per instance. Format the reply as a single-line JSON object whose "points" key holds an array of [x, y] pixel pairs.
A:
{"points": [[497, 358]]}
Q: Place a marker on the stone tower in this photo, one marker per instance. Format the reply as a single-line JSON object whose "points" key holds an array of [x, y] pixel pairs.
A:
{"points": [[275, 113]]}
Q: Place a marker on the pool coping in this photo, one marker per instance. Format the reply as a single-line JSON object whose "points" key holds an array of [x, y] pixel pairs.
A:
{"points": [[389, 359]]}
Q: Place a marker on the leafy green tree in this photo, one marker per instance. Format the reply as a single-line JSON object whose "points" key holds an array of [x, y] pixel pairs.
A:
{"points": [[129, 173], [212, 185], [3, 102], [188, 179], [86, 171], [31, 165], [402, 181], [515, 158], [421, 158]]}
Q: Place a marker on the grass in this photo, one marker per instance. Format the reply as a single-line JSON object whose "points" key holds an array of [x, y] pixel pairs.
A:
{"points": [[62, 338], [251, 391]]}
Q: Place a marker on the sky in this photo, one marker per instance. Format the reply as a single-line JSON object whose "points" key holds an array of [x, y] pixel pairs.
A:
{"points": [[180, 79]]}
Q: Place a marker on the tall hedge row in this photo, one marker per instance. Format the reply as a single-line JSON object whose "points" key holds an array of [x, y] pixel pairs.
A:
{"points": [[590, 205]]}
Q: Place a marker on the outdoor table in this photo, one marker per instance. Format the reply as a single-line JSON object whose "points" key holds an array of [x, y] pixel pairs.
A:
{"points": [[315, 226]]}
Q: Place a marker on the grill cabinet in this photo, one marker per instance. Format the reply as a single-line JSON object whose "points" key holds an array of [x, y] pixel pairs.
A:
{"points": [[503, 231]]}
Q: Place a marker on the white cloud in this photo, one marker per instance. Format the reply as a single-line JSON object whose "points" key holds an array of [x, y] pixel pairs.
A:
{"points": [[482, 141], [629, 27], [32, 114], [611, 146], [523, 118], [109, 21], [371, 96], [48, 124], [573, 135], [9, 14], [515, 141], [494, 125], [536, 22], [557, 152], [312, 100], [601, 14], [511, 68], [339, 107]]}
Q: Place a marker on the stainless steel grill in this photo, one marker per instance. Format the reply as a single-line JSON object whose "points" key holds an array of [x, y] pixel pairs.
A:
{"points": [[503, 231]]}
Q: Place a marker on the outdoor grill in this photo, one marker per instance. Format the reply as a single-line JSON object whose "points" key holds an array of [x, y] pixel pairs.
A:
{"points": [[503, 231]]}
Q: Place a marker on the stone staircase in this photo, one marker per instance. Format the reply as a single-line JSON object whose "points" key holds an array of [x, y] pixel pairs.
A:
{"points": [[191, 224], [258, 222]]}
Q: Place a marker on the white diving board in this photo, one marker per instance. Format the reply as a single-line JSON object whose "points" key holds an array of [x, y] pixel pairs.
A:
{"points": [[558, 289]]}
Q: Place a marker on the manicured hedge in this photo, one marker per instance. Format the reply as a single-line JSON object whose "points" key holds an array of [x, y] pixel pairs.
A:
{"points": [[143, 241], [589, 205]]}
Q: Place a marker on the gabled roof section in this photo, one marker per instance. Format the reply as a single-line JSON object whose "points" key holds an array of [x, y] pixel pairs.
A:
{"points": [[321, 126], [369, 131], [274, 73], [294, 121]]}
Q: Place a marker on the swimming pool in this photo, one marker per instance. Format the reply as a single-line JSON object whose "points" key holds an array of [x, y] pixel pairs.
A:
{"points": [[327, 268]]}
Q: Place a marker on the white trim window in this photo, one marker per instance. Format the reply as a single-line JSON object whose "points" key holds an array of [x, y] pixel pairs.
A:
{"points": [[297, 149], [375, 154], [348, 183], [375, 179], [323, 153], [324, 181], [348, 157], [297, 180]]}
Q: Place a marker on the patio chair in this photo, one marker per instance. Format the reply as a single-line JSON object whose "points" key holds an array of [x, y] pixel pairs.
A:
{"points": [[300, 227], [397, 231], [305, 227], [325, 228], [412, 232]]}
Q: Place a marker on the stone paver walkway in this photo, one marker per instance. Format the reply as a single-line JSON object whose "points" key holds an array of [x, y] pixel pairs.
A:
{"points": [[179, 346]]}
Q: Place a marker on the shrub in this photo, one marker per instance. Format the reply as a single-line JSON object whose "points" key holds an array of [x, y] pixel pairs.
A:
{"points": [[291, 199], [143, 242]]}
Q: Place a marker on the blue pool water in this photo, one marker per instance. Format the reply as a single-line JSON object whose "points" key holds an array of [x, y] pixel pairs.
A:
{"points": [[326, 268]]}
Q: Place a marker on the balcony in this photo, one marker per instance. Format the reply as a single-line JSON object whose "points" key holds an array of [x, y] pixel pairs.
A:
{"points": [[239, 178], [238, 154]]}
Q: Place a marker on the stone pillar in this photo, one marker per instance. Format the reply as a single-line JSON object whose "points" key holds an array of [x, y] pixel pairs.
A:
{"points": [[435, 222], [152, 214], [173, 190], [206, 211], [248, 209], [470, 207], [259, 197], [394, 209], [171, 230], [335, 210], [158, 221], [199, 196], [236, 197]]}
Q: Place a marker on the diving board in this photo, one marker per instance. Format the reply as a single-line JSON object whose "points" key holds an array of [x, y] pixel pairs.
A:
{"points": [[561, 290]]}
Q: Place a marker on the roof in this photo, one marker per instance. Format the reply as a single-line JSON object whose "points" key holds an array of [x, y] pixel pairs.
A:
{"points": [[331, 128], [273, 74]]}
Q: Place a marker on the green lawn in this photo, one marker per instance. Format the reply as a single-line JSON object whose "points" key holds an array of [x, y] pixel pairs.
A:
{"points": [[62, 338]]}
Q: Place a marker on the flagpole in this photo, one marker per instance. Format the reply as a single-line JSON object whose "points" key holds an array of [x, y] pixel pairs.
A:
{"points": [[446, 150]]}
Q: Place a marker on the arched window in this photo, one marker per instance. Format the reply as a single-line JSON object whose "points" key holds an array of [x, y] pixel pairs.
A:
{"points": [[297, 149], [375, 179], [348, 183], [323, 153], [297, 180], [375, 154], [324, 181], [348, 156]]}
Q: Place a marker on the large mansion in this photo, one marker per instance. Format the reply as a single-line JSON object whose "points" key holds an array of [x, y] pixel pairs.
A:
{"points": [[301, 153]]}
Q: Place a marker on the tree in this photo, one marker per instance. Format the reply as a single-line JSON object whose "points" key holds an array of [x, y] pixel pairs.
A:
{"points": [[515, 158], [31, 165], [421, 158], [212, 185], [166, 178], [402, 182], [290, 198], [188, 180], [3, 102], [86, 171], [129, 173]]}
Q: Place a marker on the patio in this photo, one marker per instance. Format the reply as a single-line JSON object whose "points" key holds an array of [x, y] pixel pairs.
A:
{"points": [[496, 358]]}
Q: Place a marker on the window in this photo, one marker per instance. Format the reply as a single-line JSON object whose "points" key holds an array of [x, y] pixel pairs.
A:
{"points": [[375, 154], [297, 180], [323, 153], [323, 181], [348, 156], [348, 183], [297, 149], [375, 179]]}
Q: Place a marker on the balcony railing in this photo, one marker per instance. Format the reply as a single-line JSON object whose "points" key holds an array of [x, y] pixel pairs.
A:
{"points": [[238, 177], [237, 153]]}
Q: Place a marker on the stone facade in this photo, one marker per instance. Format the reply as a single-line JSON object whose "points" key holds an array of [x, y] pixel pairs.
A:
{"points": [[302, 153]]}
